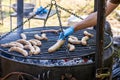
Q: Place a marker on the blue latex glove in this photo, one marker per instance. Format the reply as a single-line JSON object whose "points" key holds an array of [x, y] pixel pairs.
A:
{"points": [[66, 33], [41, 11]]}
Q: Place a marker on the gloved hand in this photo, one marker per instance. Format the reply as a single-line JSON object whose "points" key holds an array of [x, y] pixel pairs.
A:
{"points": [[41, 11], [66, 33]]}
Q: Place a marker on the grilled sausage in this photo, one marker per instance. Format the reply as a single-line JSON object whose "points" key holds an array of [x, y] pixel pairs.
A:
{"points": [[84, 40], [39, 43], [73, 37], [71, 47], [52, 31], [7, 45], [88, 34], [37, 49], [31, 48], [11, 44], [44, 37], [19, 45], [23, 36], [24, 42], [33, 42], [74, 41], [19, 50], [56, 46], [38, 37]]}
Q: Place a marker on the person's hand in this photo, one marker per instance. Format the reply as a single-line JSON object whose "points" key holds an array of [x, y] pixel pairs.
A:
{"points": [[66, 33], [41, 11]]}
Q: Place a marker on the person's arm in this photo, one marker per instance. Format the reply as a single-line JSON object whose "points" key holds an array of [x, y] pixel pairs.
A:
{"points": [[91, 20]]}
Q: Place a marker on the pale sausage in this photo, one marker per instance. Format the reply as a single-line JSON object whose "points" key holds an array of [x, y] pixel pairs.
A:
{"points": [[56, 46], [19, 50]]}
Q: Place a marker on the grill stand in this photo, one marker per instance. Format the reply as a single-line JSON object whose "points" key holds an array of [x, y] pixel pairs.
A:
{"points": [[100, 30], [101, 72]]}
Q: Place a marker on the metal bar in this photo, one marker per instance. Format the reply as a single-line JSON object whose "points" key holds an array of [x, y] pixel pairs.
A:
{"points": [[58, 15], [95, 9], [48, 14], [95, 5], [1, 12], [19, 15], [100, 34]]}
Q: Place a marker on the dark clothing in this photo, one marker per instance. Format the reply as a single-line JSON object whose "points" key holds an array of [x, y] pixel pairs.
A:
{"points": [[115, 1]]}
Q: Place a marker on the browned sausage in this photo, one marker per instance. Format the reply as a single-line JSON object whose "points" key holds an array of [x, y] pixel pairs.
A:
{"points": [[88, 34]]}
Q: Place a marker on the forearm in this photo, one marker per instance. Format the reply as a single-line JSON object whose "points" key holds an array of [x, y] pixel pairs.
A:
{"points": [[88, 22], [91, 20]]}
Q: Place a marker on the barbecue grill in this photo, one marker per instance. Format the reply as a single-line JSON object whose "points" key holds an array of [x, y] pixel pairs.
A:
{"points": [[55, 66], [17, 61]]}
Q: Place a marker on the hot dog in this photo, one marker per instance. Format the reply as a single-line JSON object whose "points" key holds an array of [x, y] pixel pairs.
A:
{"points": [[33, 42], [19, 50], [39, 43], [23, 36], [38, 37], [88, 34], [11, 44], [44, 37], [24, 42], [73, 37], [37, 49], [52, 31], [71, 47], [73, 41], [7, 45], [56, 46], [84, 40], [31, 48]]}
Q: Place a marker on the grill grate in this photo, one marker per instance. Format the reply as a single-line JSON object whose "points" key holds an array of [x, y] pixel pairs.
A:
{"points": [[52, 38]]}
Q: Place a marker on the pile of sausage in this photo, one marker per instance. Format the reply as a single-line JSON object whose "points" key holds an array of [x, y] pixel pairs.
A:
{"points": [[32, 46], [72, 42], [26, 47]]}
